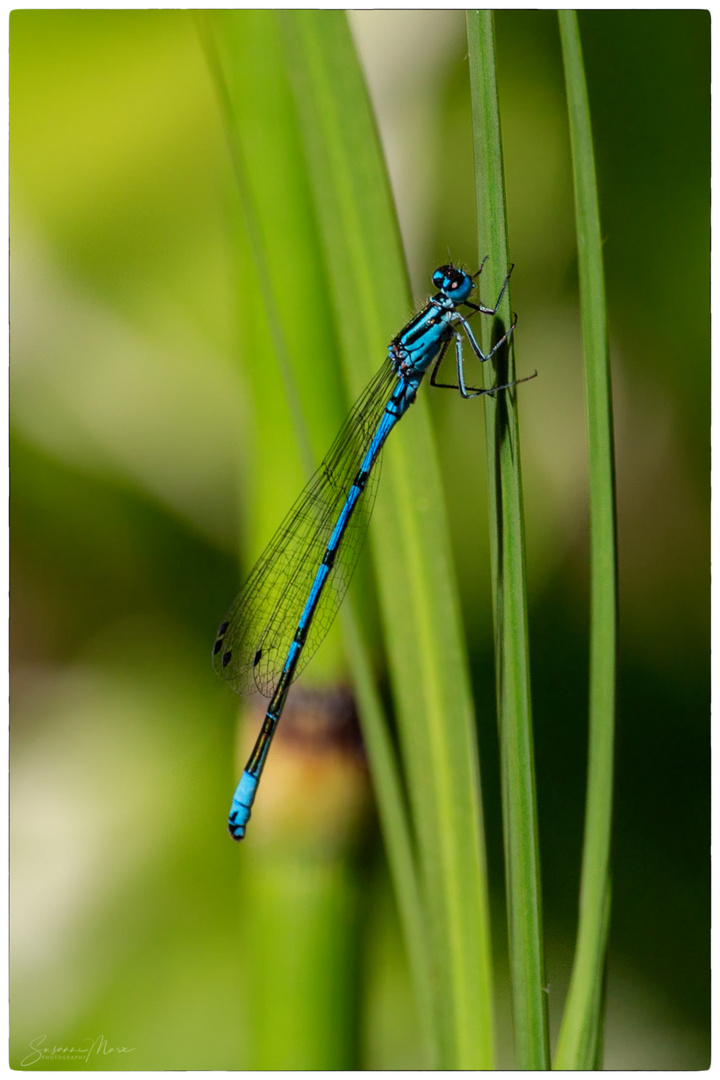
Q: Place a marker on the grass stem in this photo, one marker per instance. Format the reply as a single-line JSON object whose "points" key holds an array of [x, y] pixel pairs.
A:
{"points": [[580, 1039], [522, 860]]}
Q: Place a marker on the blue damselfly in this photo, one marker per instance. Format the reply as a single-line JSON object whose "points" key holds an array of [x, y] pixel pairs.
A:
{"points": [[292, 595]]}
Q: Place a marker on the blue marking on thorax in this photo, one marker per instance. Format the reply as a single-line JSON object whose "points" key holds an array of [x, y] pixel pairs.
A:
{"points": [[427, 326], [423, 337]]}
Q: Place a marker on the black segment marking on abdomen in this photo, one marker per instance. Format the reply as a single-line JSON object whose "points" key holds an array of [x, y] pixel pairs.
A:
{"points": [[329, 557]]}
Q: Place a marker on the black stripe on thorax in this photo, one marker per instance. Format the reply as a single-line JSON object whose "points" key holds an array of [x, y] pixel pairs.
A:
{"points": [[419, 326]]}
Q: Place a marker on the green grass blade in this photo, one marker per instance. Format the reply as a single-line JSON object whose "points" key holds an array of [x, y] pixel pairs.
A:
{"points": [[215, 31], [522, 862], [579, 1034], [410, 538], [388, 787], [394, 824], [231, 41]]}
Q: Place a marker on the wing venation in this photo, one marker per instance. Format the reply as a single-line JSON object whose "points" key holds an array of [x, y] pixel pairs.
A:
{"points": [[254, 638]]}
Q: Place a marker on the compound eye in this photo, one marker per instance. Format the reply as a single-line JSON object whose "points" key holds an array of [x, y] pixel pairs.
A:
{"points": [[438, 277]]}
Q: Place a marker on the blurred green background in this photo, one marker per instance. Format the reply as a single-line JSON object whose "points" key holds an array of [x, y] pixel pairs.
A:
{"points": [[132, 443]]}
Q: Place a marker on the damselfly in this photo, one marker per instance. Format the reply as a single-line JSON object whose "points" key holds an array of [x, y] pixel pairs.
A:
{"points": [[293, 594]]}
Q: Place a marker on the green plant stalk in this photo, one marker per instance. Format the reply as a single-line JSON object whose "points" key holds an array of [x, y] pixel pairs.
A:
{"points": [[581, 1027], [395, 826], [410, 538], [522, 860], [258, 33], [300, 955]]}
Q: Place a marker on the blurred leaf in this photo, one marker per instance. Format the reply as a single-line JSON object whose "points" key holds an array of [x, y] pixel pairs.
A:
{"points": [[580, 1041]]}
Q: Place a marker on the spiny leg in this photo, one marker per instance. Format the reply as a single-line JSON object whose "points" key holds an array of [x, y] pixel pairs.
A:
{"points": [[460, 366], [460, 384], [473, 341], [436, 368], [505, 386], [479, 272], [468, 391], [483, 307], [476, 391]]}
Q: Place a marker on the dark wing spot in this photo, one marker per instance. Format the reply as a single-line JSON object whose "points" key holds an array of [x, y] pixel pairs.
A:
{"points": [[227, 658], [217, 646], [256, 658], [222, 628]]}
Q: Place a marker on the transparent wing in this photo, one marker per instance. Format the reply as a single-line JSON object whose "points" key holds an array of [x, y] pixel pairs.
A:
{"points": [[254, 639]]}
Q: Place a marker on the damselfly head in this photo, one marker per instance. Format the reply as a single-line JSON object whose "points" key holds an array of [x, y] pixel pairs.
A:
{"points": [[454, 283]]}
